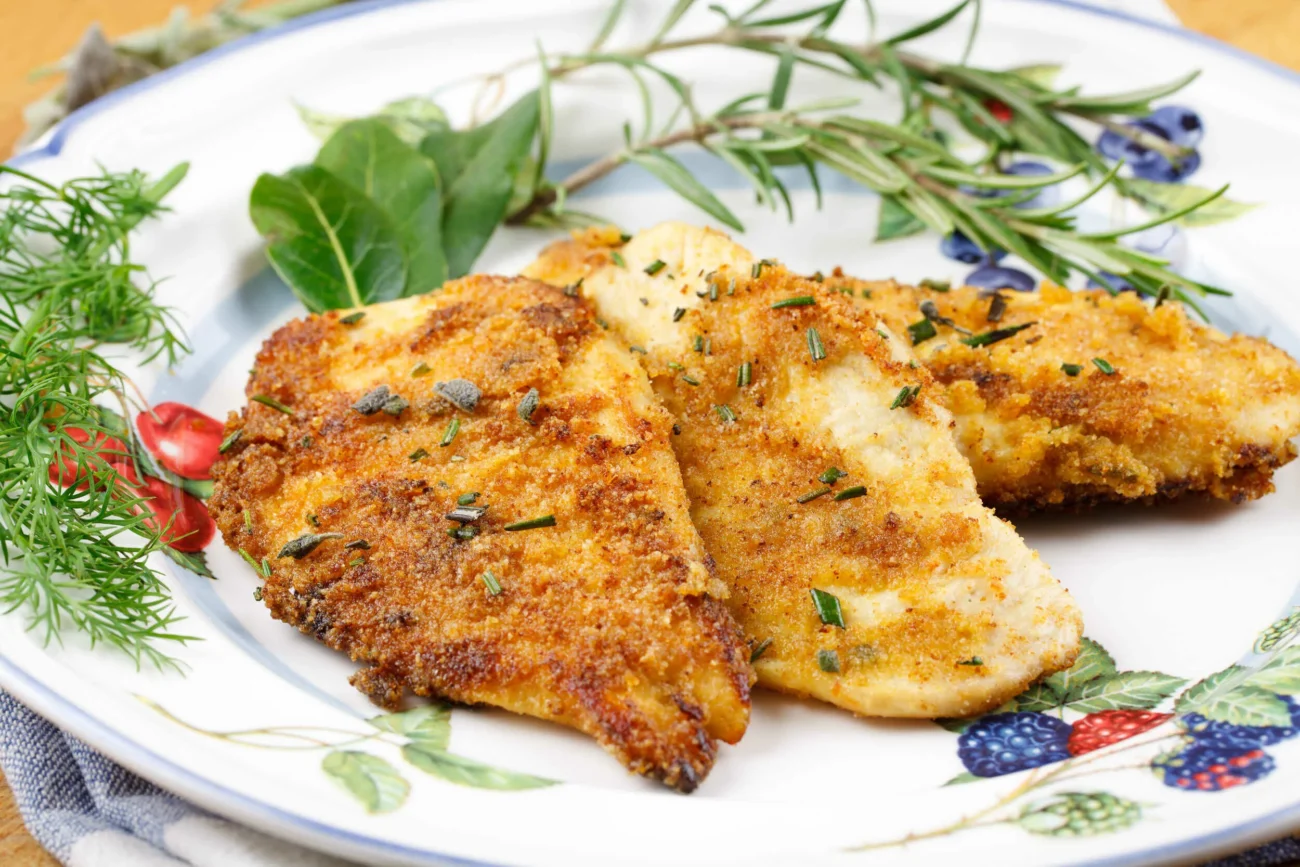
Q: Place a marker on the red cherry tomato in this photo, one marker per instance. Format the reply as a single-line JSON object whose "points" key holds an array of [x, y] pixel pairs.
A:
{"points": [[191, 529], [64, 470], [998, 109], [182, 439]]}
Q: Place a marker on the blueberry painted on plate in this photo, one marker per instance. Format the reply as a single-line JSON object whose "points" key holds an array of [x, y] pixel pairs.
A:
{"points": [[963, 249], [1175, 124], [1047, 196], [993, 277]]}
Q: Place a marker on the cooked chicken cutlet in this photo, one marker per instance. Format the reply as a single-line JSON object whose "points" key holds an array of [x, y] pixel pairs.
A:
{"points": [[425, 448], [1188, 410], [1171, 406], [824, 480]]}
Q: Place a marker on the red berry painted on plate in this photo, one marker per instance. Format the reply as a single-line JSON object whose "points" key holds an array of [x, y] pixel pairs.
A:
{"points": [[1107, 727], [999, 110], [182, 517], [64, 470], [181, 438]]}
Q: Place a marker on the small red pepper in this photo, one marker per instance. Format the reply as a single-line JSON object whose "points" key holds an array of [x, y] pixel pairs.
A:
{"points": [[181, 438]]}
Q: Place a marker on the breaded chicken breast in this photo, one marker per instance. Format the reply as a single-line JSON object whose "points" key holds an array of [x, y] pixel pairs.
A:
{"points": [[472, 493], [1186, 410], [824, 480], [1103, 398]]}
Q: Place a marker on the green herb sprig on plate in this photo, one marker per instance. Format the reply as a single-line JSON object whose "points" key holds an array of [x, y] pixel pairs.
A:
{"points": [[76, 537]]}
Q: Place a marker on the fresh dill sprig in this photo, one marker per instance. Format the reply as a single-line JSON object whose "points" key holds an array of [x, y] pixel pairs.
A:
{"points": [[75, 535], [912, 164]]}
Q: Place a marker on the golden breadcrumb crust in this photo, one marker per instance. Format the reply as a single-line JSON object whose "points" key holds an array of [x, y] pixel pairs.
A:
{"points": [[927, 578], [608, 622]]}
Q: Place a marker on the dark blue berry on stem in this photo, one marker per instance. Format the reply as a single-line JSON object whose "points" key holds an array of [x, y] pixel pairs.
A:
{"points": [[1047, 196], [993, 277], [1226, 736], [1146, 163], [1003, 743], [958, 246]]}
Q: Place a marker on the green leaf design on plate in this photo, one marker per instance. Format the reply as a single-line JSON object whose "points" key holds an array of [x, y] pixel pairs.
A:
{"points": [[1041, 74], [196, 562], [1163, 198], [1093, 663], [1203, 690], [1079, 814], [403, 184], [1128, 690], [1039, 697], [1246, 706], [429, 725], [331, 244], [895, 221], [684, 184], [479, 168], [467, 772], [410, 119], [1281, 674], [371, 780], [1280, 630], [963, 778]]}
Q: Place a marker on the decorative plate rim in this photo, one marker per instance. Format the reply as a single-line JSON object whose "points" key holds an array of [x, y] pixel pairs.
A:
{"points": [[316, 834]]}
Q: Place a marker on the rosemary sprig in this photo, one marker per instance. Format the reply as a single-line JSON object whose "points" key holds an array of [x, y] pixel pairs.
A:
{"points": [[68, 489], [913, 165]]}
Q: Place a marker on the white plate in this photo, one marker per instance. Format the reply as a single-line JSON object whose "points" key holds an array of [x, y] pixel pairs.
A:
{"points": [[1182, 590]]}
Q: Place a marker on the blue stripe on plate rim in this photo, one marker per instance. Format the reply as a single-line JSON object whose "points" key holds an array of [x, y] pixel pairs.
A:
{"points": [[272, 818]]}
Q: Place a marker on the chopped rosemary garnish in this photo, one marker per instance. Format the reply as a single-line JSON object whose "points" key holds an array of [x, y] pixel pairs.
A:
{"points": [[1071, 369], [248, 521], [257, 593], [816, 348], [678, 313], [267, 400], [828, 661], [306, 442], [1104, 366], [974, 660], [532, 523], [640, 350], [757, 270], [796, 301], [832, 475], [617, 258], [757, 652], [655, 267], [453, 428], [572, 289], [713, 291], [677, 430], [358, 545], [726, 413], [828, 607], [467, 499], [528, 405], [602, 323], [921, 331], [352, 318], [248, 558], [731, 286], [313, 520], [356, 561], [699, 343], [645, 302], [463, 532], [851, 493], [818, 277], [997, 307], [905, 396], [812, 495], [418, 454], [466, 514], [884, 335], [744, 374], [689, 380], [934, 285], [420, 369], [461, 393], [708, 346], [493, 586], [229, 442], [673, 365], [995, 335], [305, 544]]}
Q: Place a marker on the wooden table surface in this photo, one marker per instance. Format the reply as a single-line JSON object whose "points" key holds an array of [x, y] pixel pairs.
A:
{"points": [[40, 31]]}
